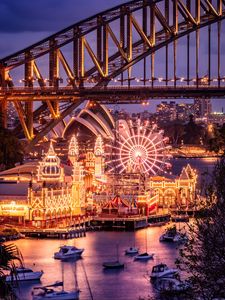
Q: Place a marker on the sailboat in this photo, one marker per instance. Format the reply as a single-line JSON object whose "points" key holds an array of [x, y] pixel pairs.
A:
{"points": [[144, 255], [173, 235], [114, 264], [132, 249], [51, 292]]}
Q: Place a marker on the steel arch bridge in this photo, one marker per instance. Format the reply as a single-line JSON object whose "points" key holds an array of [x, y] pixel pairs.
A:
{"points": [[143, 49]]}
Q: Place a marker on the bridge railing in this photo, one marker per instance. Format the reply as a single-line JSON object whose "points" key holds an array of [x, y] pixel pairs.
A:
{"points": [[111, 87]]}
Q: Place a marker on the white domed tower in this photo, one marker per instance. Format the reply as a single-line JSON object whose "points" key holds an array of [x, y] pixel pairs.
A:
{"points": [[73, 152], [99, 157], [50, 168]]}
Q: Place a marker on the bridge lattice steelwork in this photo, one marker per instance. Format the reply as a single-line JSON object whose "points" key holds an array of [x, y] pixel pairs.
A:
{"points": [[142, 49]]}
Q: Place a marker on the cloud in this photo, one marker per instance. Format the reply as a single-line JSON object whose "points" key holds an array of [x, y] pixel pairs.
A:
{"points": [[25, 22], [51, 15]]}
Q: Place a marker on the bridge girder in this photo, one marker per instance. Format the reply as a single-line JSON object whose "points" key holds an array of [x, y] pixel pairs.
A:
{"points": [[93, 65]]}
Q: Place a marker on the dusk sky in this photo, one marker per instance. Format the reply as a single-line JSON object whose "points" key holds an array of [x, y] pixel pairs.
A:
{"points": [[25, 22]]}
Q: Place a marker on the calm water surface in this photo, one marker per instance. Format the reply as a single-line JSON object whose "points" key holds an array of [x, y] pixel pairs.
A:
{"points": [[127, 284]]}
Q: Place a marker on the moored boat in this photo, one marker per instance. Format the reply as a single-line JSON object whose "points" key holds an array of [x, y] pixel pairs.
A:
{"points": [[144, 256], [162, 271], [131, 250], [172, 286], [67, 252], [113, 265], [50, 292], [116, 264], [24, 274], [173, 235]]}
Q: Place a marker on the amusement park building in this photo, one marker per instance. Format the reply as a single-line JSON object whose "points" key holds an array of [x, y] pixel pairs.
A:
{"points": [[175, 191], [42, 192]]}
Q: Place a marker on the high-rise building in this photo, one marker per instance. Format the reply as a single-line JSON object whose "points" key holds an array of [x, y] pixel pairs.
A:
{"points": [[11, 115], [202, 107], [166, 111]]}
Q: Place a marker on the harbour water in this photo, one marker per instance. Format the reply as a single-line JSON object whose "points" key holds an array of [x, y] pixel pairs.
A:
{"points": [[129, 283]]}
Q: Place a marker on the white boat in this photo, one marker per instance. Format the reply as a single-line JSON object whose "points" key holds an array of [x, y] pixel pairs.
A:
{"points": [[172, 285], [67, 252], [131, 250], [162, 271], [50, 292], [24, 274], [53, 291], [144, 256], [173, 235]]}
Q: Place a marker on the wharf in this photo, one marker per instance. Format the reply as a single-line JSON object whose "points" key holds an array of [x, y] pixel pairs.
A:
{"points": [[159, 220], [54, 233], [108, 222], [120, 223]]}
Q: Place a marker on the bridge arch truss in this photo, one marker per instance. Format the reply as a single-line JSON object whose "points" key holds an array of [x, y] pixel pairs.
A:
{"points": [[142, 49]]}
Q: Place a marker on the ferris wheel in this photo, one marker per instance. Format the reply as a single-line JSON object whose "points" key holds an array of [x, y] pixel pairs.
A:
{"points": [[140, 148]]}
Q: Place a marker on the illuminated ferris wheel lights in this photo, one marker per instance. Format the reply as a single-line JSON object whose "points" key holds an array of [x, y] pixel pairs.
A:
{"points": [[140, 149]]}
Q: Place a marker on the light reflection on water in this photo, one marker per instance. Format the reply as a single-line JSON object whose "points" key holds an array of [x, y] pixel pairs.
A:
{"points": [[126, 284], [200, 164]]}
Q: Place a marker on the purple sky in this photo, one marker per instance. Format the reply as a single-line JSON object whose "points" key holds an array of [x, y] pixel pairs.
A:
{"points": [[25, 22]]}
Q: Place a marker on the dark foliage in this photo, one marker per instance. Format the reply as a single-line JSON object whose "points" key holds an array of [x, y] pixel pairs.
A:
{"points": [[11, 150], [9, 255], [203, 256]]}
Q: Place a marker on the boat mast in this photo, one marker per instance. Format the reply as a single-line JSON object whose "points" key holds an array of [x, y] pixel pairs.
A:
{"points": [[62, 264], [88, 284], [76, 282], [117, 252], [146, 245]]}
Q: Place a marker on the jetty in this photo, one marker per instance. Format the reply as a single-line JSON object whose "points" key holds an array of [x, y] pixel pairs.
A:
{"points": [[129, 222], [55, 233]]}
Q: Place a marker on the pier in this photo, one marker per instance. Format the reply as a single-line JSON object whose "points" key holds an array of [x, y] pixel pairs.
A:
{"points": [[98, 222], [120, 223], [55, 233], [129, 223], [158, 220]]}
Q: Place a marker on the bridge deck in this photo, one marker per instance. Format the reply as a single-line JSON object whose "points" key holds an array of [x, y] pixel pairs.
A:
{"points": [[111, 94]]}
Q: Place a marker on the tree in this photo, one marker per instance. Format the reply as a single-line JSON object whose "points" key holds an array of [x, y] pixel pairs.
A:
{"points": [[193, 132], [217, 143], [203, 256], [9, 254], [11, 150], [174, 131]]}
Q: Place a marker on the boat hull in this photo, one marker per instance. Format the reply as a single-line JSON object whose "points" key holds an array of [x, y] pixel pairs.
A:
{"points": [[144, 257], [113, 265], [131, 251], [62, 256], [172, 239], [25, 276], [58, 296], [164, 275]]}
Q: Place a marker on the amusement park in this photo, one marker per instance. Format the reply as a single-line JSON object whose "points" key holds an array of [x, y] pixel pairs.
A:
{"points": [[126, 171], [112, 143]]}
